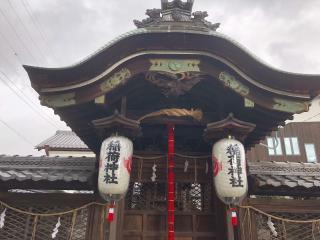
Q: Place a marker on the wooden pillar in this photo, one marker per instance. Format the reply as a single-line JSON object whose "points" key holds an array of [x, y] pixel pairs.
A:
{"points": [[96, 223], [221, 218], [170, 183]]}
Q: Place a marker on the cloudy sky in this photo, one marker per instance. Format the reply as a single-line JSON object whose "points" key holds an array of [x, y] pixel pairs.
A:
{"points": [[53, 33]]}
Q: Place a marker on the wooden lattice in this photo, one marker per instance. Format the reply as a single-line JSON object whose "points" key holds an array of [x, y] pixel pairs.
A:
{"points": [[285, 230], [196, 206], [257, 225], [152, 196], [20, 226], [193, 187]]}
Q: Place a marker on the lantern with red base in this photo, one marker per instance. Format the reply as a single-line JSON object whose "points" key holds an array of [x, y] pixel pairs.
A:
{"points": [[230, 175], [114, 170], [228, 158], [228, 161]]}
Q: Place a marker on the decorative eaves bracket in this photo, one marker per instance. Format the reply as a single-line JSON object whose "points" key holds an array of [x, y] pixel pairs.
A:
{"points": [[117, 124], [228, 126]]}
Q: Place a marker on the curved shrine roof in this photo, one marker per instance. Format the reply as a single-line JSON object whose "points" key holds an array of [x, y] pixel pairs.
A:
{"points": [[175, 58], [172, 41]]}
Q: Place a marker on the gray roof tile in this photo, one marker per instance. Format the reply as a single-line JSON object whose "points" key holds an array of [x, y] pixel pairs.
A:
{"points": [[288, 174], [46, 168], [82, 169], [67, 140]]}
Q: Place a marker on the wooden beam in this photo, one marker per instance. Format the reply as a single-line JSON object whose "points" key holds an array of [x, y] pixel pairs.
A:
{"points": [[47, 198], [124, 106]]}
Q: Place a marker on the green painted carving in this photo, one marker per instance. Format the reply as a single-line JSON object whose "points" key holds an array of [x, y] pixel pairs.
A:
{"points": [[117, 78], [100, 100], [61, 100], [174, 65], [290, 106], [248, 103], [234, 84]]}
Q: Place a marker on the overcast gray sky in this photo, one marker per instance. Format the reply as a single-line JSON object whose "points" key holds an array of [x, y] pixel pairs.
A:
{"points": [[53, 33]]}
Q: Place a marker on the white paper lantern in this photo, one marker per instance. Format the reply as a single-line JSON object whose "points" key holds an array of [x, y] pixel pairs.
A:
{"points": [[115, 167], [229, 170]]}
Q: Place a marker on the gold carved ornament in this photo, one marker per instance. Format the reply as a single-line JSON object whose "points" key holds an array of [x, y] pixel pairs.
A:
{"points": [[290, 106], [234, 84], [116, 79], [174, 66], [68, 99], [61, 100], [175, 112]]}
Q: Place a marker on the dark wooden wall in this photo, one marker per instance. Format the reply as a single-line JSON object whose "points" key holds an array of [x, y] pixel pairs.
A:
{"points": [[306, 132]]}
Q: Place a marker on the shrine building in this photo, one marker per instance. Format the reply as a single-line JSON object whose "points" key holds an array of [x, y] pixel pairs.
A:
{"points": [[173, 87]]}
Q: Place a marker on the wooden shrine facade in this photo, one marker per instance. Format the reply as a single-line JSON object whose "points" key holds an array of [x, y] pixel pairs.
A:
{"points": [[176, 69], [142, 213]]}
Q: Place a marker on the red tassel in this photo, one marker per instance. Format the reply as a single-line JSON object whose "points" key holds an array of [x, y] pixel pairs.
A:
{"points": [[111, 214], [234, 219]]}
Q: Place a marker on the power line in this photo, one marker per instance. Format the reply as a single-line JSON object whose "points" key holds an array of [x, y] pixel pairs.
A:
{"points": [[26, 102], [26, 96], [18, 36], [30, 105], [19, 60], [27, 31], [10, 46], [16, 132], [37, 25], [15, 53], [316, 115]]}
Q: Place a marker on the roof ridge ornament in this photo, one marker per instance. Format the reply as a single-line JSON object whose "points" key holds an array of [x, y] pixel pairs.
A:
{"points": [[176, 10], [176, 13], [166, 5]]}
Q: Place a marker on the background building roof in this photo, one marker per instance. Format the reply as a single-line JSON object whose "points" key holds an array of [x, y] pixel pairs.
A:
{"points": [[63, 140], [285, 174], [30, 172]]}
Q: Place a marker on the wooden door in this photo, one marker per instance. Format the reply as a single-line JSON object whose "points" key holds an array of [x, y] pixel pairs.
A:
{"points": [[198, 213]]}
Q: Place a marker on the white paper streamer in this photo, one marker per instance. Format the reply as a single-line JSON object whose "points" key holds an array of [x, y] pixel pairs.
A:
{"points": [[186, 165], [272, 228], [56, 229], [154, 170], [2, 218]]}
